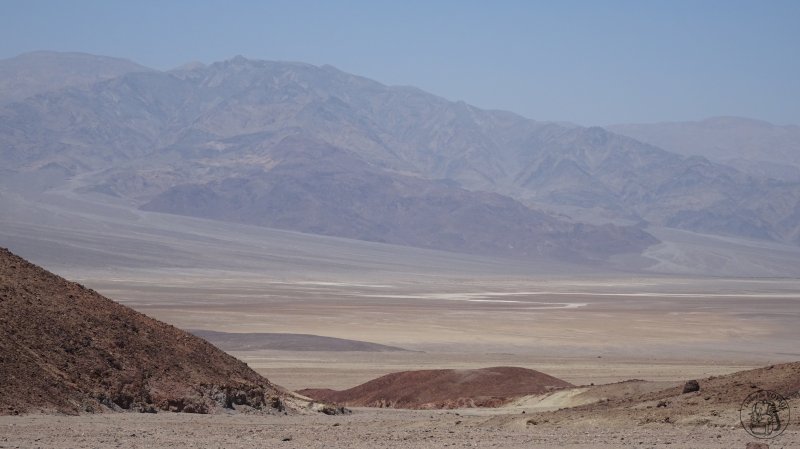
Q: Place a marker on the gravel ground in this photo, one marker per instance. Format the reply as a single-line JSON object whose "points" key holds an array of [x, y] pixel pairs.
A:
{"points": [[365, 428]]}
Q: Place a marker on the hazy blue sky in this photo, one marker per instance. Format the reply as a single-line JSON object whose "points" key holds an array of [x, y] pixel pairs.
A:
{"points": [[590, 62]]}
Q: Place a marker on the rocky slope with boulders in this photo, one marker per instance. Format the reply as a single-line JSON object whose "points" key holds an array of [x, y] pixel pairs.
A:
{"points": [[65, 348], [711, 402]]}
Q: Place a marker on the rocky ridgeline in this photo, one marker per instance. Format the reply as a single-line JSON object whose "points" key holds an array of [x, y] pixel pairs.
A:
{"points": [[65, 348]]}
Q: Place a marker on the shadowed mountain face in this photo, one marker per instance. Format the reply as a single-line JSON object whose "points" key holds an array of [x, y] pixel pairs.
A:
{"points": [[229, 341], [66, 348], [314, 149], [316, 188]]}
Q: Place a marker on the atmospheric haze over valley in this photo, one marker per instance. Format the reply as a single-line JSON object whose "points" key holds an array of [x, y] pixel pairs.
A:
{"points": [[394, 269]]}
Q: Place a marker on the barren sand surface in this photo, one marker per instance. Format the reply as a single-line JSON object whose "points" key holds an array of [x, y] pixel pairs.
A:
{"points": [[583, 330], [365, 428], [342, 370]]}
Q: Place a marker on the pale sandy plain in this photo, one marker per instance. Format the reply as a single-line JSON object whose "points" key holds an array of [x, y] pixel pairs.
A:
{"points": [[582, 324], [660, 329], [584, 331]]}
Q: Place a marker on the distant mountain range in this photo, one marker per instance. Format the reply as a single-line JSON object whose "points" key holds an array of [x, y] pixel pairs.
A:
{"points": [[753, 146], [43, 71], [314, 149]]}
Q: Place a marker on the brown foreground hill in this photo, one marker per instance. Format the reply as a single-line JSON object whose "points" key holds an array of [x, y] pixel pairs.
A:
{"points": [[446, 388], [716, 402], [65, 348]]}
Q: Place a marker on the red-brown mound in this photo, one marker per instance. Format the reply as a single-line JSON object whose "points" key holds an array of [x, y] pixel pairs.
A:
{"points": [[425, 389], [66, 348]]}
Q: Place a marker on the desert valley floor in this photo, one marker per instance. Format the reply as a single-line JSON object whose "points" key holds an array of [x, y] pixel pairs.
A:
{"points": [[429, 310], [582, 330], [592, 330]]}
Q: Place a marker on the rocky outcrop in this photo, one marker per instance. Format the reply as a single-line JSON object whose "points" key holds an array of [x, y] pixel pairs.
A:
{"points": [[65, 348], [691, 386]]}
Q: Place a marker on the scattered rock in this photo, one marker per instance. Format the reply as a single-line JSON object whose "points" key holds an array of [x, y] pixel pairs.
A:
{"points": [[334, 410], [754, 445], [691, 386]]}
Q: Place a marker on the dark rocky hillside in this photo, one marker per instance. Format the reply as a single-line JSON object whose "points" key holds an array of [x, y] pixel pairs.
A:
{"points": [[65, 348]]}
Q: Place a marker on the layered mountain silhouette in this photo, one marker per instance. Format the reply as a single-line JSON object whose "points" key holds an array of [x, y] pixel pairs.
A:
{"points": [[42, 71], [753, 146], [314, 149]]}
